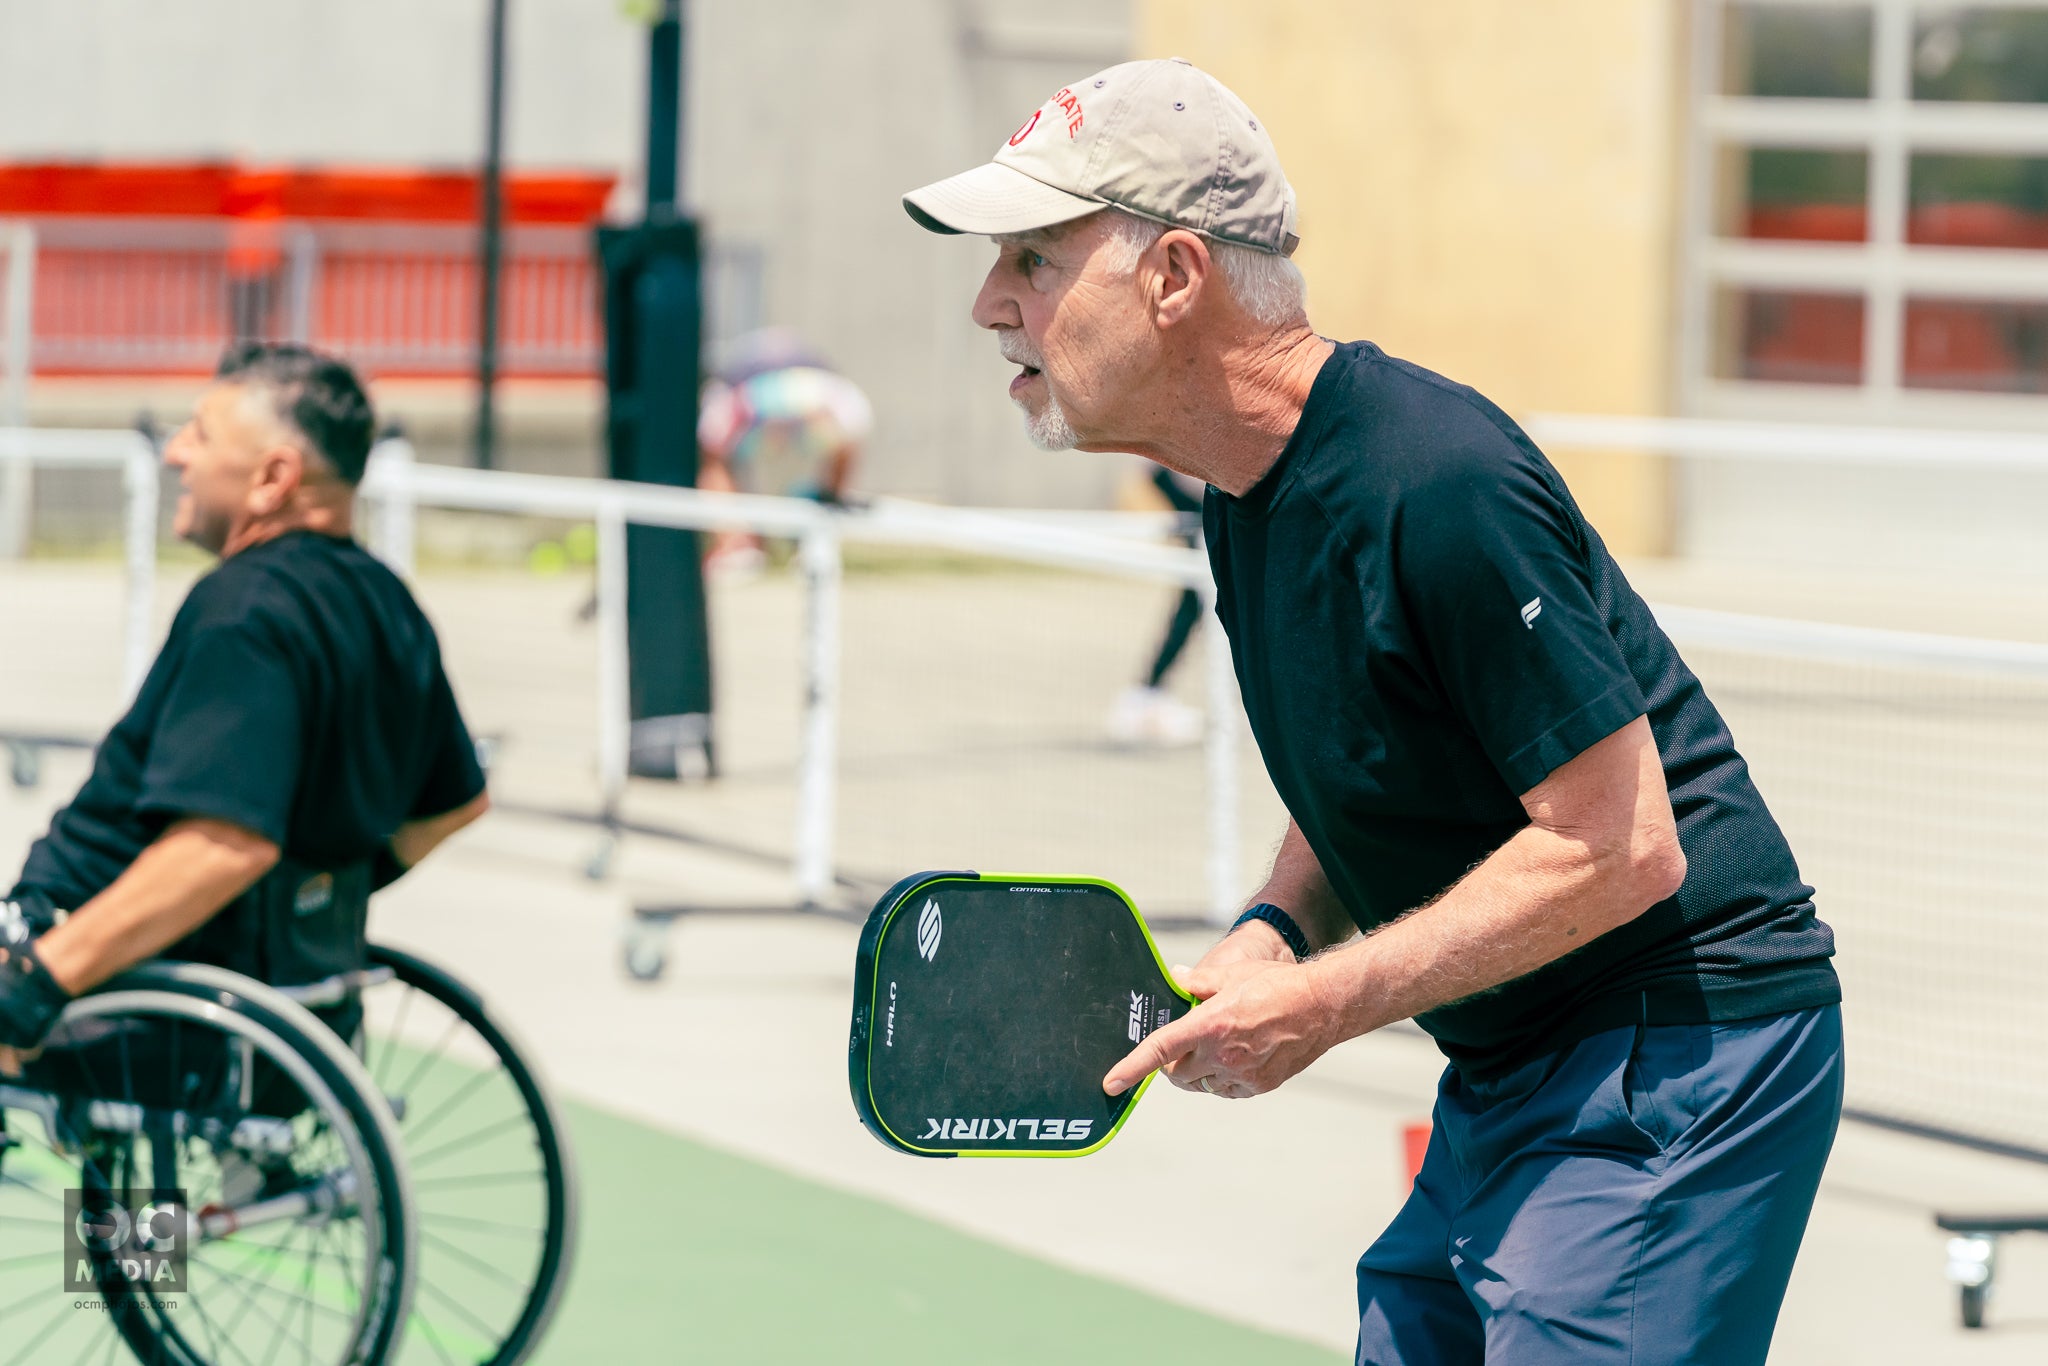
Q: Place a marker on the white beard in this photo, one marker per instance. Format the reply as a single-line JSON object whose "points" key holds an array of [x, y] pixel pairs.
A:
{"points": [[1048, 428]]}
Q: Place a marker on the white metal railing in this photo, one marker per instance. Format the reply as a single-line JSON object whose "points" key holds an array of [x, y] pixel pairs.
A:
{"points": [[1801, 441], [136, 458], [17, 304], [396, 485]]}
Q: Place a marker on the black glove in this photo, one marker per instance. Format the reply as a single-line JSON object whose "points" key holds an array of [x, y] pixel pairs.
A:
{"points": [[30, 999]]}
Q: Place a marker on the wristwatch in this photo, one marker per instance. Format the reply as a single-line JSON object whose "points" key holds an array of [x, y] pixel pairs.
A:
{"points": [[1281, 921]]}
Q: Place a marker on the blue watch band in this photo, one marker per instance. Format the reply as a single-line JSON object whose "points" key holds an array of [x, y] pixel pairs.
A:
{"points": [[1281, 921]]}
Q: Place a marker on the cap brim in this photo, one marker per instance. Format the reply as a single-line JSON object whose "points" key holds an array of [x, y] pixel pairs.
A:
{"points": [[992, 199]]}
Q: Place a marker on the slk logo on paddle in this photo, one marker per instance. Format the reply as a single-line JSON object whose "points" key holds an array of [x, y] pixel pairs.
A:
{"points": [[929, 927]]}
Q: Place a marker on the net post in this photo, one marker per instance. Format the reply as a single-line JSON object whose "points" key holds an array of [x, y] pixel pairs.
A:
{"points": [[1219, 743], [614, 700], [139, 488], [819, 554]]}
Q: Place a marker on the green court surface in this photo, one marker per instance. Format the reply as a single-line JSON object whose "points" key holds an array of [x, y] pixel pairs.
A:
{"points": [[691, 1254]]}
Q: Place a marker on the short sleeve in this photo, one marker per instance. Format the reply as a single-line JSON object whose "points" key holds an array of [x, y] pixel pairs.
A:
{"points": [[1495, 576], [227, 742], [453, 777]]}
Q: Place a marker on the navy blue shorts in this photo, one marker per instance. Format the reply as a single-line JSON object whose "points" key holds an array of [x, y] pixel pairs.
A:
{"points": [[1638, 1197]]}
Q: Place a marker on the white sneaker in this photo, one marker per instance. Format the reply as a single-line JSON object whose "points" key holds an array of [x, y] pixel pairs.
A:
{"points": [[736, 564], [1149, 716]]}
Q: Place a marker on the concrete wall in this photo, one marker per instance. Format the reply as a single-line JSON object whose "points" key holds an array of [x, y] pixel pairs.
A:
{"points": [[806, 132], [807, 120], [1487, 189], [395, 82]]}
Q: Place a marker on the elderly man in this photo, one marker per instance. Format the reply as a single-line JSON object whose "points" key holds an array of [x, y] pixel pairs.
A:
{"points": [[294, 746], [1498, 770]]}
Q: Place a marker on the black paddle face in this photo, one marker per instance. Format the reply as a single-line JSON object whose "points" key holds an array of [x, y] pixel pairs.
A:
{"points": [[987, 1009]]}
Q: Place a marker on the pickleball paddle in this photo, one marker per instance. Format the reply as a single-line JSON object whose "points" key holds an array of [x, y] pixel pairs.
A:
{"points": [[987, 1007]]}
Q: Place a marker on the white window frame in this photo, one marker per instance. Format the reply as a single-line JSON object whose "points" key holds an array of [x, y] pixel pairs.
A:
{"points": [[1884, 269]]}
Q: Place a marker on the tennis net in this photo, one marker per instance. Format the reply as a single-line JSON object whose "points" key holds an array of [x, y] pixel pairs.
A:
{"points": [[1910, 773]]}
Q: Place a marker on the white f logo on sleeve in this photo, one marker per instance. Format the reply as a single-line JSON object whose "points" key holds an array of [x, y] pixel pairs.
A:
{"points": [[1531, 610]]}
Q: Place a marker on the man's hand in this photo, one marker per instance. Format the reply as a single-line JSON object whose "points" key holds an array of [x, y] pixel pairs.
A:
{"points": [[1252, 942], [30, 1002], [1261, 1020]]}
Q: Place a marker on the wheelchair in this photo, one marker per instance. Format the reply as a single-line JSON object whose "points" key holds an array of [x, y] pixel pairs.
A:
{"points": [[215, 1176]]}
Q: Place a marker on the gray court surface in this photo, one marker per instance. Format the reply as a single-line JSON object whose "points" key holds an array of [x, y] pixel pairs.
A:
{"points": [[971, 735]]}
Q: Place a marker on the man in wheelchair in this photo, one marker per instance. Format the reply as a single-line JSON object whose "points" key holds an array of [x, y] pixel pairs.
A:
{"points": [[294, 747]]}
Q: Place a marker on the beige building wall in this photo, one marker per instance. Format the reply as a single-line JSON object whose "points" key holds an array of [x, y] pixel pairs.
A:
{"points": [[1487, 188]]}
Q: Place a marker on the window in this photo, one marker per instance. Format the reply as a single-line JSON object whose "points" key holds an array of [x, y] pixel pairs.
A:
{"points": [[1867, 210]]}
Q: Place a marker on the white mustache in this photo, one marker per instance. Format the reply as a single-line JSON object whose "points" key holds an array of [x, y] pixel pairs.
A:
{"points": [[1018, 350]]}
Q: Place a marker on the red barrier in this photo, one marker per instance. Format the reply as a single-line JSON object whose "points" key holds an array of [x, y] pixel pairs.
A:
{"points": [[229, 190], [1414, 1146]]}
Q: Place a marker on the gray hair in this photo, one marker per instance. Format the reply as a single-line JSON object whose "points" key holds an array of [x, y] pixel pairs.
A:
{"points": [[1265, 285]]}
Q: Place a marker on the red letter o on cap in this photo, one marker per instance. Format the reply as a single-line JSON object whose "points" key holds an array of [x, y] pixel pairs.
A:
{"points": [[1025, 131]]}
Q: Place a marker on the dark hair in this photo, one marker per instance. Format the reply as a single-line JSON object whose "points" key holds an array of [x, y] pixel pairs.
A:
{"points": [[315, 393]]}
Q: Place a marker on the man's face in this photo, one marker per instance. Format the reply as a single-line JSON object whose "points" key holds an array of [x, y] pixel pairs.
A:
{"points": [[220, 459], [1080, 335]]}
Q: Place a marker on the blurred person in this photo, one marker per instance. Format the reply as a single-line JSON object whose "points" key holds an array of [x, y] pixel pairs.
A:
{"points": [[1515, 816], [1145, 713], [776, 420], [294, 747]]}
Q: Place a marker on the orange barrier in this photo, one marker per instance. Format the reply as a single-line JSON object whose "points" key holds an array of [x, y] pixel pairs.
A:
{"points": [[1414, 1146], [230, 190]]}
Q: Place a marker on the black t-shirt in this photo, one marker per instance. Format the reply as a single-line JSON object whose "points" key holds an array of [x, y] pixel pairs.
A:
{"points": [[1424, 627], [300, 695]]}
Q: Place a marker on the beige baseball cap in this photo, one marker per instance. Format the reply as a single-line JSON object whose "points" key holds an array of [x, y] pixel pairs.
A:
{"points": [[1164, 140]]}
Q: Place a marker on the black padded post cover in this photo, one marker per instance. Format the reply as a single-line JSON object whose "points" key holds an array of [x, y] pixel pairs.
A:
{"points": [[987, 1009]]}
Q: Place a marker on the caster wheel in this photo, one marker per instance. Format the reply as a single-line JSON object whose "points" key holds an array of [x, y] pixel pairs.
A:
{"points": [[1973, 1305], [646, 959], [600, 865], [24, 765]]}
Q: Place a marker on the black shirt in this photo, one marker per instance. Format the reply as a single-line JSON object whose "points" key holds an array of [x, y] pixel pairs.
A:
{"points": [[1424, 627], [300, 695]]}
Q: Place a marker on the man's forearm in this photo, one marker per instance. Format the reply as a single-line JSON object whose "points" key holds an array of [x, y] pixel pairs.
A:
{"points": [[1298, 886], [172, 888], [414, 840], [1535, 899]]}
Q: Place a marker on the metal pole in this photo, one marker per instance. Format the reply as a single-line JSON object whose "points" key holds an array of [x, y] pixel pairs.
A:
{"points": [[1220, 741], [664, 110], [392, 521], [301, 287], [139, 484], [817, 777], [17, 477], [614, 698], [1884, 301], [493, 209]]}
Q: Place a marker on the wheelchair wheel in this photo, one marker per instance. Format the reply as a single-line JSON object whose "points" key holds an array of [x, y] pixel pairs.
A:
{"points": [[186, 1112], [494, 1186]]}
